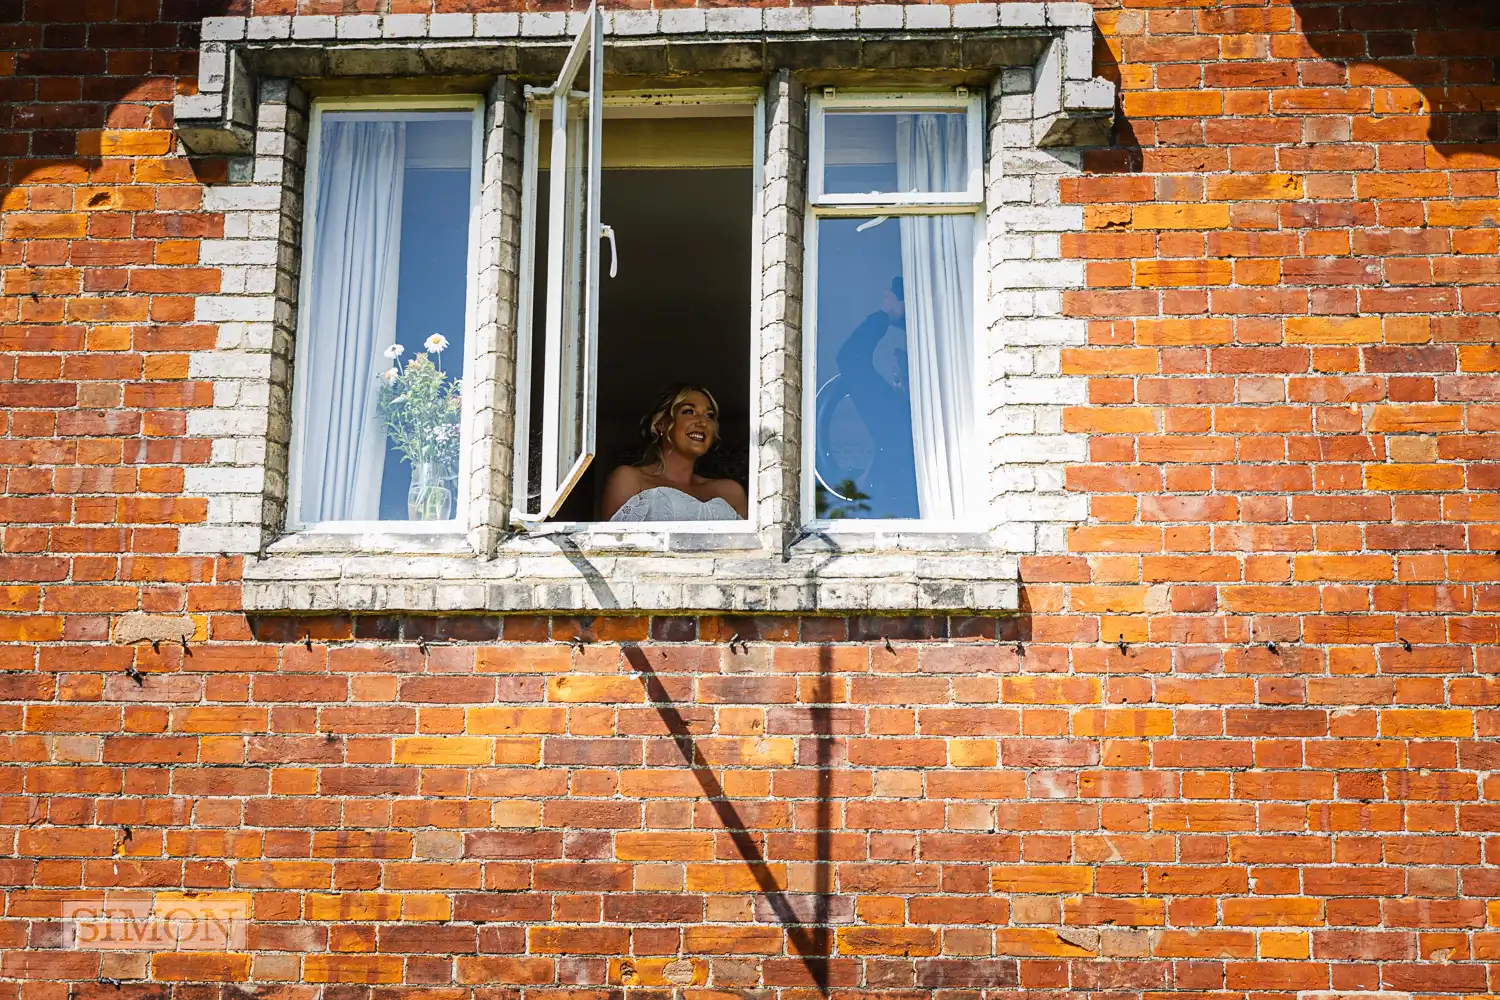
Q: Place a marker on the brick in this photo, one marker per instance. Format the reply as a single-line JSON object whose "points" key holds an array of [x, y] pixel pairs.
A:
{"points": [[1193, 104], [1426, 723], [1042, 879], [1198, 217], [1333, 330]]}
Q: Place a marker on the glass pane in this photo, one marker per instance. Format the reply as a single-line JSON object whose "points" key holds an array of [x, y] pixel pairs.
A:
{"points": [[882, 152], [572, 269], [571, 374], [384, 319], [894, 416]]}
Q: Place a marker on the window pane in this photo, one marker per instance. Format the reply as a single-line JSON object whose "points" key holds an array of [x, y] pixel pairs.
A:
{"points": [[384, 319], [572, 303], [572, 370], [893, 426], [879, 152]]}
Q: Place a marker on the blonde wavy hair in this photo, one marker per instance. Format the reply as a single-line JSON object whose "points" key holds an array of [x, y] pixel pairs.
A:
{"points": [[653, 431]]}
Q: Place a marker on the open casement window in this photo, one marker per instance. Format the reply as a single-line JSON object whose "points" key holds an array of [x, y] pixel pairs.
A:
{"points": [[569, 407]]}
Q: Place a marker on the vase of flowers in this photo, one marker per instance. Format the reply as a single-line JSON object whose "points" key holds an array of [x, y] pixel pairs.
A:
{"points": [[419, 407]]}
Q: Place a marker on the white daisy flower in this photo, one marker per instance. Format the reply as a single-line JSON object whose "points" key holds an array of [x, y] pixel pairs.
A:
{"points": [[390, 375], [394, 351], [437, 343]]}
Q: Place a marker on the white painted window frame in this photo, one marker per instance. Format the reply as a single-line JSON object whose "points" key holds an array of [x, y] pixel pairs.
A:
{"points": [[895, 205], [625, 105], [911, 102], [475, 105], [569, 303]]}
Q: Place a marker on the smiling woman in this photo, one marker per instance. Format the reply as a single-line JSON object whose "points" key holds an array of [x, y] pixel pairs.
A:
{"points": [[665, 486]]}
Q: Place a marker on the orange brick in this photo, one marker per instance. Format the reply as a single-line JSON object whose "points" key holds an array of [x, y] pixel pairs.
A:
{"points": [[505, 721], [450, 751], [1116, 361], [1042, 879], [900, 941], [1272, 912], [1037, 942], [1333, 330], [1247, 187], [1426, 724], [123, 142], [1413, 478], [1122, 722], [1173, 104], [1342, 568], [1204, 944], [351, 906], [1285, 944], [1182, 273], [368, 969], [580, 940], [630, 846], [595, 688], [1479, 358], [201, 966], [1178, 332], [1415, 418], [24, 226], [1109, 420], [1180, 217]]}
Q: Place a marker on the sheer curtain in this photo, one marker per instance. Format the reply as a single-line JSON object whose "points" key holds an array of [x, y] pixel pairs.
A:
{"points": [[351, 316], [938, 269]]}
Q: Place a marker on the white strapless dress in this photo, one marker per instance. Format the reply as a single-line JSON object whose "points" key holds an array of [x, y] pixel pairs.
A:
{"points": [[664, 503]]}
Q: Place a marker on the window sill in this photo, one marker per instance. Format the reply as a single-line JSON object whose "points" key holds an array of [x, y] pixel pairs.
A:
{"points": [[584, 568]]}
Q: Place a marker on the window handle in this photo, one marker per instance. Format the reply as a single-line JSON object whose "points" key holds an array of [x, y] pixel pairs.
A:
{"points": [[608, 233]]}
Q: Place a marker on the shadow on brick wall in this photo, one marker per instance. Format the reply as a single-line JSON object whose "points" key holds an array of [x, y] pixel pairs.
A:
{"points": [[1432, 68], [68, 73], [1448, 50], [804, 916]]}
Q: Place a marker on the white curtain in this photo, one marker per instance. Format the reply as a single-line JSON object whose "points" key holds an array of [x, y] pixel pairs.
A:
{"points": [[351, 317], [938, 271]]}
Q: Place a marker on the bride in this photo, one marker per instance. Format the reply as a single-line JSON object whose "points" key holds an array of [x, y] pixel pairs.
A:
{"points": [[681, 428]]}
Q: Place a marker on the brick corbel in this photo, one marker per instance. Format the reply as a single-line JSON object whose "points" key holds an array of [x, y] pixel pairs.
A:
{"points": [[1073, 107]]}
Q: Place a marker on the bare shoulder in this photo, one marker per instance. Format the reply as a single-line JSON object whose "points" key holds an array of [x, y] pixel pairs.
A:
{"points": [[625, 474], [623, 483]]}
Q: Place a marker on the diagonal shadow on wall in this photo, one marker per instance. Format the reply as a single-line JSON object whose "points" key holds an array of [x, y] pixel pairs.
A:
{"points": [[808, 933]]}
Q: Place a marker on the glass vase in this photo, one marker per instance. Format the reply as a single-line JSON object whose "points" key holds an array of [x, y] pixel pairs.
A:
{"points": [[428, 498]]}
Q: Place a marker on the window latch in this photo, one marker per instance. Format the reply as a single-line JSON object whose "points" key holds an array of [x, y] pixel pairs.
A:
{"points": [[608, 233]]}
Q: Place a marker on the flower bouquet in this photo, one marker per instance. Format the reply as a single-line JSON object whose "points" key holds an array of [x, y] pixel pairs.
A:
{"points": [[419, 407]]}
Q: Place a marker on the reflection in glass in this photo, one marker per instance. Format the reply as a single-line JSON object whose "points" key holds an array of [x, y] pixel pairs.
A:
{"points": [[893, 420], [384, 317], [881, 152]]}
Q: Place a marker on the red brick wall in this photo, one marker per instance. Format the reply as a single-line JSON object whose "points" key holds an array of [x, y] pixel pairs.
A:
{"points": [[1248, 748]]}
